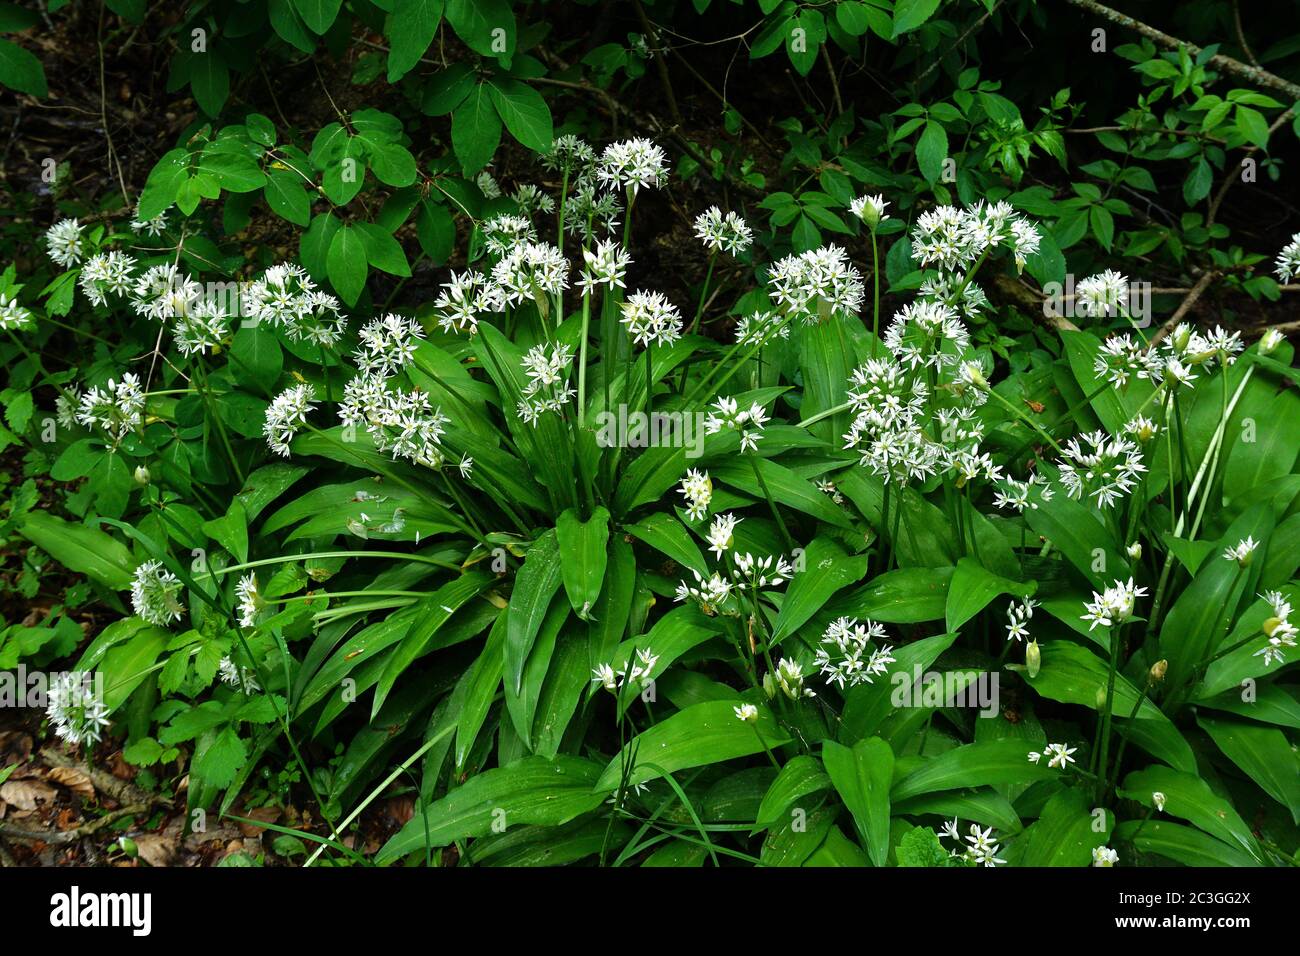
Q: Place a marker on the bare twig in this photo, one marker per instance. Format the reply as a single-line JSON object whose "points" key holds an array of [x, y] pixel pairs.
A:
{"points": [[61, 837], [1234, 173], [1189, 300], [120, 790]]}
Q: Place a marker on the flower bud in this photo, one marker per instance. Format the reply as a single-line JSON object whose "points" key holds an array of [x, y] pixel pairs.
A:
{"points": [[1158, 670], [1135, 550], [769, 685], [1100, 699], [141, 475], [1033, 659], [1270, 341]]}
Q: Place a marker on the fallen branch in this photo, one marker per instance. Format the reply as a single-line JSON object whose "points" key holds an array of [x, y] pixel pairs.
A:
{"points": [[63, 837], [122, 791], [1189, 300]]}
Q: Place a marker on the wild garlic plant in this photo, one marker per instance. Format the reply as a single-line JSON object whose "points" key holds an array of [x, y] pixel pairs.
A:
{"points": [[584, 542]]}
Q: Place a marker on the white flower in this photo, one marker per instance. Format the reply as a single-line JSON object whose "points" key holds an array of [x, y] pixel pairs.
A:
{"points": [[201, 329], [606, 267], [710, 593], [117, 407], [250, 601], [569, 155], [845, 656], [651, 319], [533, 200], [402, 422], [63, 240], [789, 677], [870, 209], [639, 671], [285, 415], [12, 315], [719, 233], [1018, 617], [828, 487], [758, 328], [697, 488], [1103, 294], [604, 675], [1099, 466], [749, 422], [954, 239], [107, 272], [548, 381], [817, 284], [463, 298], [241, 678], [1016, 494], [632, 164], [1270, 340], [761, 572], [287, 298], [746, 712], [1114, 605], [1060, 755], [1035, 756], [1241, 551], [1134, 550], [531, 271], [1158, 799], [721, 532], [949, 829], [154, 592], [466, 466], [1142, 428], [386, 346], [1104, 856], [1288, 260], [77, 712], [152, 227]]}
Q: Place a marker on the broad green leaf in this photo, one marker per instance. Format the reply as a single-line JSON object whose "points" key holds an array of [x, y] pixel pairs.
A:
{"points": [[827, 568], [973, 588], [862, 776], [582, 557], [523, 111], [87, 551], [1263, 754], [535, 585], [801, 776], [410, 31], [972, 765], [1064, 834], [702, 734], [535, 791], [1189, 797], [1181, 844]]}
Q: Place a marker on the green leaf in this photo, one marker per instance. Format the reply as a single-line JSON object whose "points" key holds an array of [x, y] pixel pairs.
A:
{"points": [[319, 15], [973, 765], [535, 791], [704, 733], [535, 585], [867, 705], [901, 596], [210, 81], [475, 129], [524, 112], [1064, 834], [218, 761], [411, 30], [910, 14], [583, 557], [346, 264], [487, 26], [801, 776], [1263, 754], [79, 548], [932, 150], [1190, 797], [257, 356], [126, 665], [287, 197], [1181, 844], [862, 776], [827, 568], [972, 590], [20, 70], [382, 250]]}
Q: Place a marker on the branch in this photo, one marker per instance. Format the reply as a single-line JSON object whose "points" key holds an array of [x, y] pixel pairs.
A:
{"points": [[1252, 74]]}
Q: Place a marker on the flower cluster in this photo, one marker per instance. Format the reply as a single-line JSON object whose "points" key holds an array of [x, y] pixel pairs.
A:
{"points": [[117, 407], [12, 315], [1097, 465], [76, 710], [637, 672], [1059, 756], [748, 422], [817, 284], [1112, 606], [155, 594], [237, 676], [548, 387], [287, 298], [697, 488], [1277, 628], [632, 164], [285, 415], [64, 242], [845, 657], [1288, 260], [955, 239], [719, 233], [650, 319], [979, 848]]}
